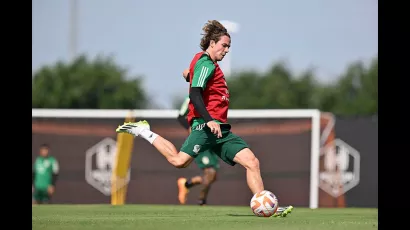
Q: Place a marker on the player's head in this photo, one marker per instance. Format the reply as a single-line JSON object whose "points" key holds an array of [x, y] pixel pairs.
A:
{"points": [[216, 40], [44, 149]]}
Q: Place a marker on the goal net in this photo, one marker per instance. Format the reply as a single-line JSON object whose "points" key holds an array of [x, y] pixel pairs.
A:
{"points": [[286, 142]]}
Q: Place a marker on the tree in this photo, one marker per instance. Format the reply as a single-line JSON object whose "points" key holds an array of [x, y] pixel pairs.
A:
{"points": [[276, 89], [354, 93], [84, 83]]}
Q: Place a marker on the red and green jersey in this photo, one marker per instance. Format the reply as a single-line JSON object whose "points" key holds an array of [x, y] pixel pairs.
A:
{"points": [[208, 75]]}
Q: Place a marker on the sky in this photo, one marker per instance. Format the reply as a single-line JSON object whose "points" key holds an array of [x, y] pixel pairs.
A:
{"points": [[156, 39]]}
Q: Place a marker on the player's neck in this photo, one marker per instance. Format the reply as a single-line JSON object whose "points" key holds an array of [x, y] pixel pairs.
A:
{"points": [[212, 58]]}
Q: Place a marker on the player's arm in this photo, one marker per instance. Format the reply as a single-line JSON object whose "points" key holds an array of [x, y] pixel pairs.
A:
{"points": [[204, 70], [183, 111], [56, 170], [185, 74]]}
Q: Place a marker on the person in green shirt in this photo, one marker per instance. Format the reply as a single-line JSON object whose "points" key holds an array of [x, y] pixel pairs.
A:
{"points": [[45, 173]]}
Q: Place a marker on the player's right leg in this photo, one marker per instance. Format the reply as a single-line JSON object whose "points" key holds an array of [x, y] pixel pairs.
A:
{"points": [[34, 197], [166, 148], [40, 196]]}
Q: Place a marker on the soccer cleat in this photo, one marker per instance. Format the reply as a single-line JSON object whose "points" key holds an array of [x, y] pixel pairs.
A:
{"points": [[182, 190], [201, 202], [133, 128], [283, 211]]}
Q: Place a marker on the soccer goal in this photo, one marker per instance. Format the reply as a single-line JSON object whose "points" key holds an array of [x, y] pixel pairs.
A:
{"points": [[286, 142]]}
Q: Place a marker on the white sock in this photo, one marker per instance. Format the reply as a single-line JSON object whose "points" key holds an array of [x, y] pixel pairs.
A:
{"points": [[148, 135]]}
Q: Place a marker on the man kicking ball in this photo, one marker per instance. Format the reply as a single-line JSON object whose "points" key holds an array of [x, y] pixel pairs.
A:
{"points": [[207, 116]]}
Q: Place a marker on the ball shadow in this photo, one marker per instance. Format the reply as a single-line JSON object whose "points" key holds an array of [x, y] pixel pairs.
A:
{"points": [[240, 215]]}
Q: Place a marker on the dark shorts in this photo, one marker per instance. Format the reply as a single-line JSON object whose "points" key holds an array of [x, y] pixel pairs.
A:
{"points": [[41, 195], [207, 159], [201, 139]]}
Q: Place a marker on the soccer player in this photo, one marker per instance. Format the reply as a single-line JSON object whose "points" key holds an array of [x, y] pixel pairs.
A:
{"points": [[207, 161], [45, 173], [208, 111]]}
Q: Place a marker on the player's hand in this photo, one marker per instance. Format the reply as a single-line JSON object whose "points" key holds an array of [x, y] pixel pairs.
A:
{"points": [[50, 190], [185, 73], [215, 128]]}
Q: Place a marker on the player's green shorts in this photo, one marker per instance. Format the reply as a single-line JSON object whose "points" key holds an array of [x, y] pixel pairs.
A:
{"points": [[207, 159], [41, 195], [202, 139]]}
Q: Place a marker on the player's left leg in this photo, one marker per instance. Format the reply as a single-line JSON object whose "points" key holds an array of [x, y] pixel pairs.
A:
{"points": [[184, 185], [208, 179], [40, 196], [283, 211], [236, 151], [207, 161], [47, 197]]}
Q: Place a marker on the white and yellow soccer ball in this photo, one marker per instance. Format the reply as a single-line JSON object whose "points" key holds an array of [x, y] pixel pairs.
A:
{"points": [[264, 203]]}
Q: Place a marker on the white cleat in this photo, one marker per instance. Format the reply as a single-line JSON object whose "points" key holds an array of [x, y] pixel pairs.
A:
{"points": [[133, 128]]}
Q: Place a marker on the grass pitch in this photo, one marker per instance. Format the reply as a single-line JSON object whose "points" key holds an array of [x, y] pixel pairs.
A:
{"points": [[170, 217]]}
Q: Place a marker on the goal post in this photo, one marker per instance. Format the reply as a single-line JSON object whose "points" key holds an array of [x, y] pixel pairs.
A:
{"points": [[313, 114], [121, 167]]}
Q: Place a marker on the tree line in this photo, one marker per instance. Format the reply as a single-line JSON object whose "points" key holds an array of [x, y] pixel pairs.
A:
{"points": [[101, 83]]}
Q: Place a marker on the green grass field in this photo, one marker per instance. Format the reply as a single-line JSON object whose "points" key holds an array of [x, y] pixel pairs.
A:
{"points": [[169, 217]]}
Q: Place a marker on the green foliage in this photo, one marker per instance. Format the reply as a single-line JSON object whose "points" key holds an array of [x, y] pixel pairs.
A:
{"points": [[355, 92], [87, 84], [102, 84]]}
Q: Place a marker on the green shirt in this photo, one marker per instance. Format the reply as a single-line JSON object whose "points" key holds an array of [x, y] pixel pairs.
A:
{"points": [[44, 168]]}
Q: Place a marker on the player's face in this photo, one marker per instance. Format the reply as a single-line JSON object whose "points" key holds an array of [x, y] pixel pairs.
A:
{"points": [[43, 152], [221, 48]]}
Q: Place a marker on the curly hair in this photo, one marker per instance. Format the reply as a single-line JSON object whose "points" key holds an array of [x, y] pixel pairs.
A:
{"points": [[213, 30]]}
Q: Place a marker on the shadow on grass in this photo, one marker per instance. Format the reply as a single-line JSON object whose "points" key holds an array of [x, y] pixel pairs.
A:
{"points": [[240, 215]]}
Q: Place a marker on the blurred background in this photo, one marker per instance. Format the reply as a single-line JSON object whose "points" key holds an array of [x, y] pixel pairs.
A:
{"points": [[285, 55]]}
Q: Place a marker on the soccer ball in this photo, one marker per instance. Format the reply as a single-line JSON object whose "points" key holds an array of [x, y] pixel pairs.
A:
{"points": [[264, 204]]}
